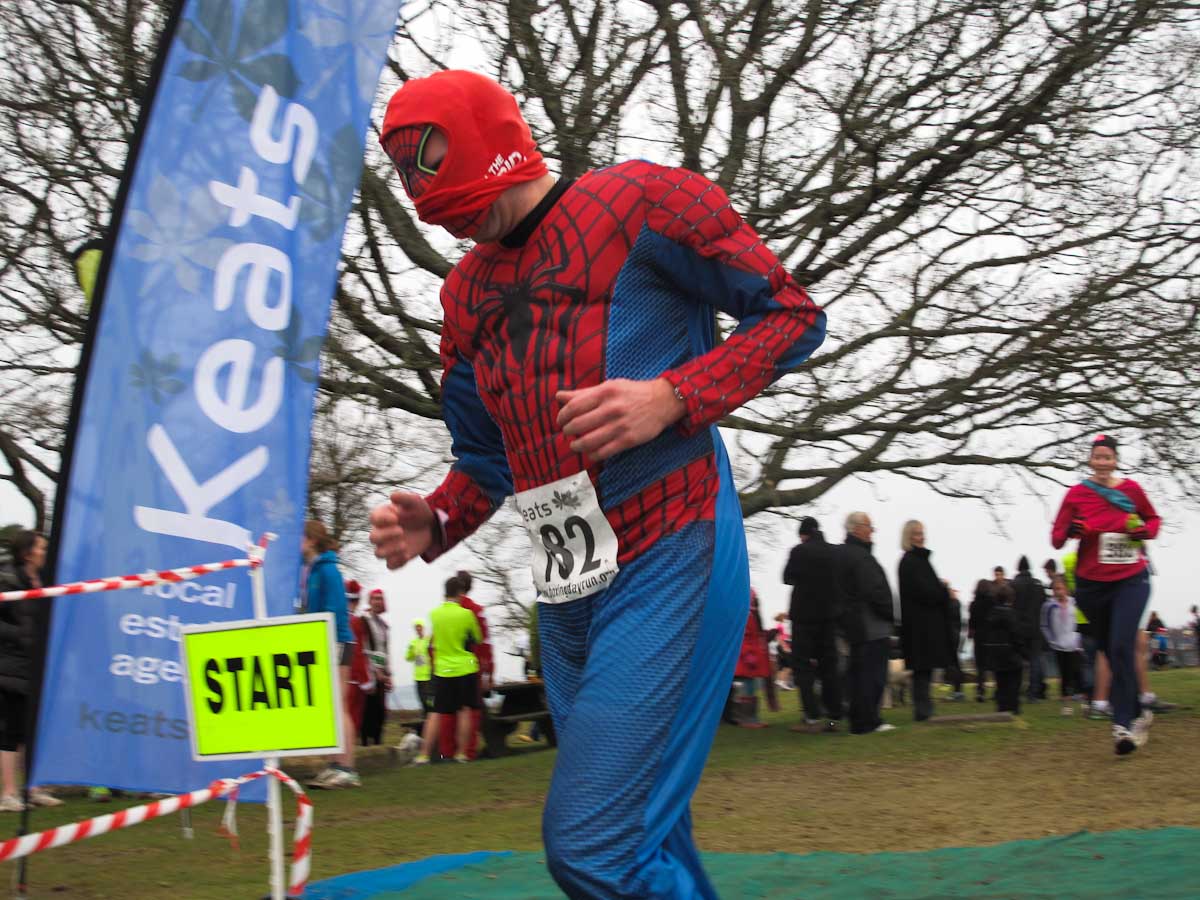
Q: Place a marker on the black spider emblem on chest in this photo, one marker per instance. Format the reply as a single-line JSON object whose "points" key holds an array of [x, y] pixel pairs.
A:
{"points": [[535, 307]]}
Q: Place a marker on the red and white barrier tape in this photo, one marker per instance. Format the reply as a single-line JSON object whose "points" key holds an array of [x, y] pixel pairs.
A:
{"points": [[304, 815], [122, 582], [223, 787]]}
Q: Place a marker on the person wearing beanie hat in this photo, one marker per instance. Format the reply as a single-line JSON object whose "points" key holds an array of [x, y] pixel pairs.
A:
{"points": [[814, 611], [1112, 518], [376, 650], [1030, 597], [582, 373], [361, 681]]}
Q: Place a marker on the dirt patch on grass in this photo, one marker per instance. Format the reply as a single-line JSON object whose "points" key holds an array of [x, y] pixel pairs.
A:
{"points": [[1067, 783]]}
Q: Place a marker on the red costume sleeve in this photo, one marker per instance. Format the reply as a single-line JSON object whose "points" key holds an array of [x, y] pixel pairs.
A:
{"points": [[719, 260], [1146, 510], [1062, 522]]}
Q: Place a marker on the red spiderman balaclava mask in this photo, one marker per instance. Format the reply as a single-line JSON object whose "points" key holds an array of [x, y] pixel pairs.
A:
{"points": [[490, 148]]}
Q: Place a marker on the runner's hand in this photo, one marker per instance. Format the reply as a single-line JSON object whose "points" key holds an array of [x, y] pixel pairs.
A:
{"points": [[1077, 528], [402, 529], [617, 415]]}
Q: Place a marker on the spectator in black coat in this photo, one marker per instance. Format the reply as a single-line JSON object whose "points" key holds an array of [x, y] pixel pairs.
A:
{"points": [[1030, 595], [977, 625], [954, 623], [923, 610], [1007, 645], [867, 614], [814, 612], [22, 557]]}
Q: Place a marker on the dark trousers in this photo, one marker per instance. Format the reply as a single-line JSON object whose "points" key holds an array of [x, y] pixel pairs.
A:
{"points": [[954, 674], [425, 695], [1087, 665], [922, 681], [1114, 609], [868, 678], [1008, 690], [373, 716], [1036, 690], [814, 654], [981, 673], [1068, 670]]}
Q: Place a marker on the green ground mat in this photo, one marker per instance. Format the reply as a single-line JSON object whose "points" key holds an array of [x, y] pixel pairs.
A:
{"points": [[1163, 863]]}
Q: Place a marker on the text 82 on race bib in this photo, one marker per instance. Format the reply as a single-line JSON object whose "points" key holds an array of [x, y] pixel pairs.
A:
{"points": [[1118, 549], [574, 547]]}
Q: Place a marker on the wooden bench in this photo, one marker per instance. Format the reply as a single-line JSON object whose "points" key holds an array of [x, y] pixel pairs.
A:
{"points": [[524, 701]]}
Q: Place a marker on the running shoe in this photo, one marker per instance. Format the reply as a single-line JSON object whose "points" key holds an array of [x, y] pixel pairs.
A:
{"points": [[461, 758], [1123, 740], [1141, 728], [321, 778], [886, 726], [39, 797], [11, 803], [1096, 711], [420, 760], [342, 778]]}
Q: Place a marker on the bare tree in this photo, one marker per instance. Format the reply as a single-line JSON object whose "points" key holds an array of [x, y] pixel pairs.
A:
{"points": [[995, 201], [357, 457]]}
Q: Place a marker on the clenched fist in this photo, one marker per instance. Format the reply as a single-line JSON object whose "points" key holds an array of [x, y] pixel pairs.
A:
{"points": [[402, 529]]}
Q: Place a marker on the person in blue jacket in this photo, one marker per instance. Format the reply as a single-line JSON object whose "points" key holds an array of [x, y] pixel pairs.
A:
{"points": [[322, 590]]}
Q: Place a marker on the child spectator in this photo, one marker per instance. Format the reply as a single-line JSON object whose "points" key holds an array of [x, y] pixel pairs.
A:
{"points": [[1007, 648], [1059, 630]]}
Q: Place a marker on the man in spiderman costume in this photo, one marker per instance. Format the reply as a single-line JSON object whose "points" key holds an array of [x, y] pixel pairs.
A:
{"points": [[582, 375]]}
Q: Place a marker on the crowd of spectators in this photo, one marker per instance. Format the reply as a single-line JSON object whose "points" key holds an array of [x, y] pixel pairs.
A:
{"points": [[846, 638]]}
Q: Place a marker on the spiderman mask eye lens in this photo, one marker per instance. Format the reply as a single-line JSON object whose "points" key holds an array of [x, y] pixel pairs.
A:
{"points": [[417, 153], [430, 156]]}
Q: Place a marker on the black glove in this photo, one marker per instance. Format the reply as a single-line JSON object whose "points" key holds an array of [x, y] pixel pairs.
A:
{"points": [[1076, 529], [1140, 534]]}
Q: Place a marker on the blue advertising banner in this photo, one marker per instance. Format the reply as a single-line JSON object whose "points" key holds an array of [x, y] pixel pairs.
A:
{"points": [[192, 418]]}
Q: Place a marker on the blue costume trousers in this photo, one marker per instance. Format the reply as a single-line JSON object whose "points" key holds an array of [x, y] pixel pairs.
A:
{"points": [[636, 678]]}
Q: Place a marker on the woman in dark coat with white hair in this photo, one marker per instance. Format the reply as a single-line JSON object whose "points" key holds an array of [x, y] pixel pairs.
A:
{"points": [[924, 609]]}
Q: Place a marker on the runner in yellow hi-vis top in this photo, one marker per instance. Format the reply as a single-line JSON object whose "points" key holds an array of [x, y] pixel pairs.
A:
{"points": [[455, 687], [418, 655]]}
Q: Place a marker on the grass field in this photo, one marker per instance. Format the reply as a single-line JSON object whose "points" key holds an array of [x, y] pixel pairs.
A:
{"points": [[920, 787]]}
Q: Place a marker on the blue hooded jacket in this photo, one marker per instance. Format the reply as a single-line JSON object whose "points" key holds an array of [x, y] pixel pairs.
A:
{"points": [[326, 592]]}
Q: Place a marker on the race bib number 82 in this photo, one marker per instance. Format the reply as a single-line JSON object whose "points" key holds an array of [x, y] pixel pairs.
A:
{"points": [[574, 547]]}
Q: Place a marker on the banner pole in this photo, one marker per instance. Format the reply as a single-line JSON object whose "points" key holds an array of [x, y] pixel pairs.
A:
{"points": [[274, 797], [46, 608]]}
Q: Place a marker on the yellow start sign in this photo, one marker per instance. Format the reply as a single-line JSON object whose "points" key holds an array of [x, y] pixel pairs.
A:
{"points": [[262, 688]]}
